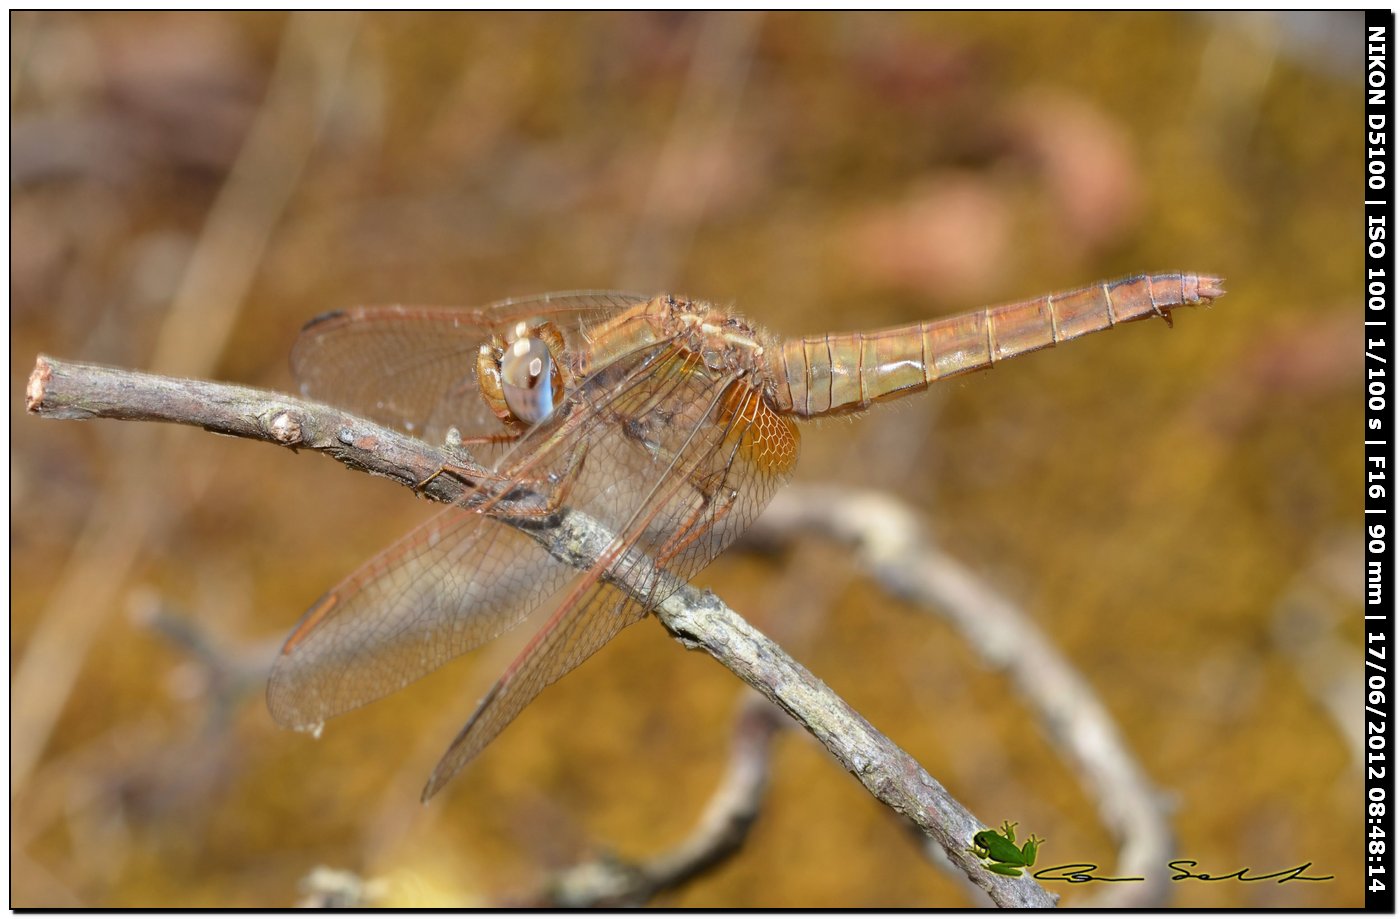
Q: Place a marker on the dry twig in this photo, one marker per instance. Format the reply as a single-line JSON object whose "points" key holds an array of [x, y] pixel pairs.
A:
{"points": [[697, 619]]}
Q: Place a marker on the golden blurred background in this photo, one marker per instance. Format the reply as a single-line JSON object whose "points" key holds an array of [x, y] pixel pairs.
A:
{"points": [[1179, 509]]}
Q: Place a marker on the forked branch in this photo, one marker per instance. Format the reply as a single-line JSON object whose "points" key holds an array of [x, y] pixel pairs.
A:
{"points": [[59, 389]]}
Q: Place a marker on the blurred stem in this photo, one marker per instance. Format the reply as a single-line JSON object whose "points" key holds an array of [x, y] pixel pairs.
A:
{"points": [[705, 115], [718, 835], [231, 245], [890, 545]]}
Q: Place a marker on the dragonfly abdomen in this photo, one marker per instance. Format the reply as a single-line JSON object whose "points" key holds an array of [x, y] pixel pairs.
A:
{"points": [[831, 374]]}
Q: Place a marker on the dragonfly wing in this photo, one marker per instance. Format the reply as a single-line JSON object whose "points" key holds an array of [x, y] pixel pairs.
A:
{"points": [[457, 581], [453, 583], [414, 368], [572, 635], [711, 467]]}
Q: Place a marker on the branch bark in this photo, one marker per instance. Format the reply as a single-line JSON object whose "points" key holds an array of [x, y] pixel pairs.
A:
{"points": [[699, 620]]}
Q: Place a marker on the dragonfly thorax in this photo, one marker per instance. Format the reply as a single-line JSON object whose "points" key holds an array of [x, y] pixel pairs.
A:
{"points": [[725, 343]]}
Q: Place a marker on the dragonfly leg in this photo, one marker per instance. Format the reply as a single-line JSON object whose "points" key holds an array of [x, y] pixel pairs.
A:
{"points": [[456, 443], [716, 500], [472, 476], [564, 484], [558, 487], [469, 472], [553, 490]]}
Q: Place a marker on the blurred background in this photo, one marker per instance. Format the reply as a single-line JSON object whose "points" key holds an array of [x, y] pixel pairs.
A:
{"points": [[1179, 509]]}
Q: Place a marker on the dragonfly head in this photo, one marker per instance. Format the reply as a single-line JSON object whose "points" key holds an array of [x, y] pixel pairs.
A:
{"points": [[524, 379], [528, 379]]}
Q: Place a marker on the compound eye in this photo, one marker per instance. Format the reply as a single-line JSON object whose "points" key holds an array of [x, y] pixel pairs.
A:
{"points": [[527, 379]]}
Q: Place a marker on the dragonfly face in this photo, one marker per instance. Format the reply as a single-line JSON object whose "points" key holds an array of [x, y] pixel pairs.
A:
{"points": [[667, 421]]}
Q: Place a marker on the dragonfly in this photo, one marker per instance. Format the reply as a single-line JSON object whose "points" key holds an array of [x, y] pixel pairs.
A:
{"points": [[667, 420]]}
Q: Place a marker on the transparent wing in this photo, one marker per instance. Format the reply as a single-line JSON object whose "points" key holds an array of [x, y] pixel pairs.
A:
{"points": [[450, 585], [414, 368], [714, 472], [572, 635]]}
